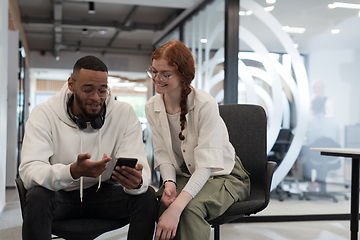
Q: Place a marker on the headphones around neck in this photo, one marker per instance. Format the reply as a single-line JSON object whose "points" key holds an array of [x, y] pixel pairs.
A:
{"points": [[96, 123]]}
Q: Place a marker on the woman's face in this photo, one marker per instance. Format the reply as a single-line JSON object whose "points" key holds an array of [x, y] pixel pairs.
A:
{"points": [[166, 81]]}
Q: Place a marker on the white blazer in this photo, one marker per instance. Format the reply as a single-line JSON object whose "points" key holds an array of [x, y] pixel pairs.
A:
{"points": [[206, 141]]}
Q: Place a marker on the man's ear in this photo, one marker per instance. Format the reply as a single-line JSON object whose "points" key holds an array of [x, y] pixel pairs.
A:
{"points": [[71, 84]]}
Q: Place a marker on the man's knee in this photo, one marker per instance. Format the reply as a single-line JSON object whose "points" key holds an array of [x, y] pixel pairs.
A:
{"points": [[149, 195], [39, 196], [147, 200]]}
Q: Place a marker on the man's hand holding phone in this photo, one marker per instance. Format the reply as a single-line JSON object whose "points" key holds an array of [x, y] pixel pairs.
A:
{"points": [[128, 173]]}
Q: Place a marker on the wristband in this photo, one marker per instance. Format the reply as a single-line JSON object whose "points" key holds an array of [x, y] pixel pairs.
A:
{"points": [[170, 181]]}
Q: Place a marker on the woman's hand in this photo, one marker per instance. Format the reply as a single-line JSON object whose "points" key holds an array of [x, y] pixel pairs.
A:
{"points": [[169, 220], [167, 225], [169, 194]]}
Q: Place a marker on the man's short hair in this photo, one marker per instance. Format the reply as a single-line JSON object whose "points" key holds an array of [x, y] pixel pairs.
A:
{"points": [[90, 63]]}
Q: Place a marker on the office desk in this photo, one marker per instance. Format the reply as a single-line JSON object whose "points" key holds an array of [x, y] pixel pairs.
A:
{"points": [[354, 154]]}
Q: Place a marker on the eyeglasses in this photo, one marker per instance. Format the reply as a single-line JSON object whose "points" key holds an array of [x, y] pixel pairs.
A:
{"points": [[89, 92], [152, 73]]}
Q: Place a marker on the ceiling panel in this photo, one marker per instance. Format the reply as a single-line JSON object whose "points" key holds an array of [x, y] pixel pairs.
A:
{"points": [[118, 24]]}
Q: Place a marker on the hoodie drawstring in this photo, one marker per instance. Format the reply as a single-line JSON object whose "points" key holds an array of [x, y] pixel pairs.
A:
{"points": [[81, 178], [99, 157]]}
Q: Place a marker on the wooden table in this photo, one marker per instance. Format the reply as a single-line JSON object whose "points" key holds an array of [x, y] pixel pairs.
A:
{"points": [[354, 154]]}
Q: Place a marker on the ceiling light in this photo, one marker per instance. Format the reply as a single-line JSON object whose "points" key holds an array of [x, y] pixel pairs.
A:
{"points": [[102, 31], [344, 5], [296, 45], [22, 51], [128, 23], [335, 31], [203, 40], [243, 13], [269, 9], [293, 29], [271, 1], [91, 8]]}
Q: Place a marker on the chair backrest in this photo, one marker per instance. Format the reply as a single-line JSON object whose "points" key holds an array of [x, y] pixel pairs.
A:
{"points": [[247, 127], [284, 139], [281, 145]]}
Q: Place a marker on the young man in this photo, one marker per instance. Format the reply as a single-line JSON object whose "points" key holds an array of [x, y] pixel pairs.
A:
{"points": [[69, 152]]}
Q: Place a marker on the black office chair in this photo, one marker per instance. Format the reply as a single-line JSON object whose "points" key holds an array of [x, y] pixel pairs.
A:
{"points": [[76, 229], [277, 154], [323, 165], [247, 127], [281, 146]]}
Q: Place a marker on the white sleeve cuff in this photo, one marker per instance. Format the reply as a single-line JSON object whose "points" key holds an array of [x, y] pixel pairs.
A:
{"points": [[197, 181]]}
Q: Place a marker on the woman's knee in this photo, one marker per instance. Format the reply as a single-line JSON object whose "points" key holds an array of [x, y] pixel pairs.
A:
{"points": [[193, 211]]}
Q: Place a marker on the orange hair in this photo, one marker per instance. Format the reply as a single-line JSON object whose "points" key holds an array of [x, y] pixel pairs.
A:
{"points": [[181, 59]]}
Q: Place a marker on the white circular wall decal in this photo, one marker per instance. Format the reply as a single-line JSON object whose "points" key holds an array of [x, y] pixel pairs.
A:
{"points": [[278, 82]]}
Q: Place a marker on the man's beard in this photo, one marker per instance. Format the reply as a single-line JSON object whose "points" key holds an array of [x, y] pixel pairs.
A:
{"points": [[84, 112]]}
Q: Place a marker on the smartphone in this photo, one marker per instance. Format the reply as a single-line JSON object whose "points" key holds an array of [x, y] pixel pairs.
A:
{"points": [[129, 162]]}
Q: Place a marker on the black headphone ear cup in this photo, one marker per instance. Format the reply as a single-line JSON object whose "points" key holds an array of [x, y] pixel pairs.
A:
{"points": [[96, 123], [79, 120]]}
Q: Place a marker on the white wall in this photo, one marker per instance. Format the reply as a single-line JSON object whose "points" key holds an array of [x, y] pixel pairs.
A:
{"points": [[12, 121], [3, 96], [124, 62]]}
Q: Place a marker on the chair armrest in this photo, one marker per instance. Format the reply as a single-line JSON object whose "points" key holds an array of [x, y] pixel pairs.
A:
{"points": [[271, 166]]}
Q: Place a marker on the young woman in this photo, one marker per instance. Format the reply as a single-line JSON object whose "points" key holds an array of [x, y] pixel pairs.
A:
{"points": [[202, 175]]}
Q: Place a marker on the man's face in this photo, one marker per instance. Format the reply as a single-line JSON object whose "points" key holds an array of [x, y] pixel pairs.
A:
{"points": [[84, 80]]}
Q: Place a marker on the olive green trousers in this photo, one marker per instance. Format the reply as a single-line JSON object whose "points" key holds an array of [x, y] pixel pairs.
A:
{"points": [[216, 196]]}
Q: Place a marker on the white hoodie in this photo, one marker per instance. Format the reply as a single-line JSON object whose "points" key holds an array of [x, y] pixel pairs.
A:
{"points": [[53, 141]]}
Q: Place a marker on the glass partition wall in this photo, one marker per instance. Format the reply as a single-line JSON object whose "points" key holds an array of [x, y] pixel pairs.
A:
{"points": [[204, 35], [307, 87]]}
